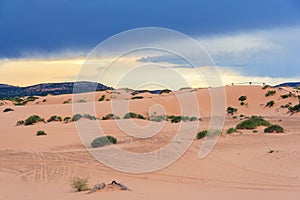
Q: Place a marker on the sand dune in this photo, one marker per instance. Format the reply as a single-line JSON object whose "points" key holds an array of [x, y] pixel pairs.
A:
{"points": [[239, 167]]}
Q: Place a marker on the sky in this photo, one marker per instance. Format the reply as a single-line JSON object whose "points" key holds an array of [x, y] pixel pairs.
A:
{"points": [[49, 40]]}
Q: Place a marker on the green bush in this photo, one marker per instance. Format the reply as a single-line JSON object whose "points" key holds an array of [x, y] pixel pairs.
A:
{"points": [[266, 86], [270, 93], [81, 101], [274, 128], [165, 91], [90, 117], [158, 118], [110, 116], [231, 130], [270, 104], [193, 119], [67, 119], [231, 110], [243, 98], [103, 141], [76, 117], [284, 96], [254, 131], [242, 103], [202, 134], [130, 115], [8, 110], [174, 119], [54, 118], [286, 105], [33, 119], [102, 98], [140, 117], [252, 123], [294, 109], [38, 133], [80, 184], [19, 123], [137, 97]]}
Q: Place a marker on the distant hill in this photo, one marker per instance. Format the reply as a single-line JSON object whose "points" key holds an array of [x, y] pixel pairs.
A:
{"points": [[289, 84], [9, 91]]}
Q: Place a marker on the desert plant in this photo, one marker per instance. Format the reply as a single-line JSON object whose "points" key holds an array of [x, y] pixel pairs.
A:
{"points": [[90, 117], [252, 123], [266, 86], [185, 118], [76, 117], [231, 110], [284, 96], [294, 109], [165, 91], [174, 119], [8, 110], [286, 105], [193, 119], [138, 116], [80, 184], [19, 123], [33, 119], [254, 131], [67, 119], [103, 141], [231, 130], [54, 118], [243, 98], [101, 98], [137, 97], [158, 118], [270, 104], [202, 134], [130, 115], [274, 128], [270, 93], [110, 116], [38, 133]]}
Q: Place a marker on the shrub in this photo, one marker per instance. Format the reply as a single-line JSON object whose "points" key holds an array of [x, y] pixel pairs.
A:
{"points": [[252, 123], [243, 98], [38, 133], [80, 184], [67, 101], [159, 118], [165, 91], [286, 105], [76, 117], [254, 131], [137, 97], [19, 123], [133, 115], [231, 130], [8, 110], [185, 118], [174, 119], [193, 119], [102, 98], [274, 128], [202, 134], [242, 103], [140, 116], [231, 110], [284, 96], [103, 141], [294, 109], [90, 117], [33, 119], [81, 101], [67, 119], [54, 118], [110, 116], [266, 86], [270, 93], [270, 104]]}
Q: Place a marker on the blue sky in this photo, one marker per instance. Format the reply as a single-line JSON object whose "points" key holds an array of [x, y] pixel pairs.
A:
{"points": [[227, 29]]}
